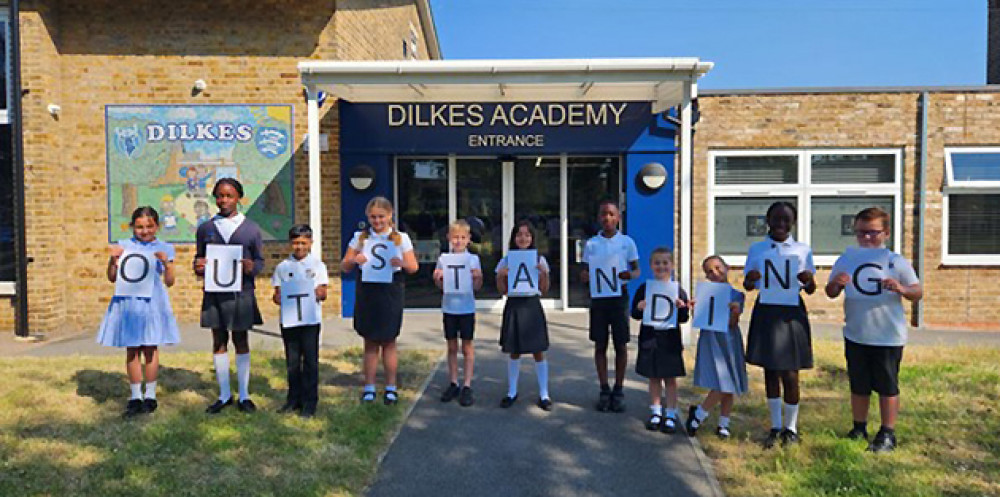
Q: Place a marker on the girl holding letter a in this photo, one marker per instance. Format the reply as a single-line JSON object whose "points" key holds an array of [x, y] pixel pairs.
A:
{"points": [[379, 251], [524, 329], [233, 310], [137, 320], [780, 340], [719, 365], [660, 356]]}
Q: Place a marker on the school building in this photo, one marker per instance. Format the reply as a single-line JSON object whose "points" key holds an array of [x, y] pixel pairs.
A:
{"points": [[316, 107]]}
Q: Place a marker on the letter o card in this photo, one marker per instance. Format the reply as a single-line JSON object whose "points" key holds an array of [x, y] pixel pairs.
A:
{"points": [[457, 270], [779, 282], [298, 303], [711, 312], [378, 268], [223, 268], [604, 281], [867, 268], [136, 274], [661, 304], [522, 273]]}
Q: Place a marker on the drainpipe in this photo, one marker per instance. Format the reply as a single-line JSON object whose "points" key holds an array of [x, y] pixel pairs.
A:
{"points": [[922, 206], [14, 107]]}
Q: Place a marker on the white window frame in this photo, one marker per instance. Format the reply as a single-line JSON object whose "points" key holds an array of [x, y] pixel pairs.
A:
{"points": [[964, 187], [804, 191], [5, 28]]}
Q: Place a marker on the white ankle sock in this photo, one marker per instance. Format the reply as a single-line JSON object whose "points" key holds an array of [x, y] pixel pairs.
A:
{"points": [[222, 375], [723, 421], [369, 388], [774, 406], [672, 412], [542, 371], [513, 371], [656, 409], [243, 375], [151, 390], [791, 417], [701, 414], [136, 389]]}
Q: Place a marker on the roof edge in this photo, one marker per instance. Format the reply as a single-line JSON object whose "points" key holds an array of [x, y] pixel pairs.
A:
{"points": [[805, 90], [430, 31]]}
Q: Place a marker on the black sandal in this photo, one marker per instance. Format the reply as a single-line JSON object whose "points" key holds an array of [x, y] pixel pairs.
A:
{"points": [[367, 397], [654, 421], [390, 397]]}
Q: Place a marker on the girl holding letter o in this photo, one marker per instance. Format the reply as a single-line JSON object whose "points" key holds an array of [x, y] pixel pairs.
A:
{"points": [[719, 365], [141, 324], [780, 340], [524, 329], [235, 311], [660, 356], [378, 307]]}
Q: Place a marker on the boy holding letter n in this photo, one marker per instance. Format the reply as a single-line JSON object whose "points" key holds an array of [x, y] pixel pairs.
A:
{"points": [[300, 284], [875, 280]]}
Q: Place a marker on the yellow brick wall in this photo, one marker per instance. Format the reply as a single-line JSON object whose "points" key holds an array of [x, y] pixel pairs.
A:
{"points": [[954, 296], [85, 55]]}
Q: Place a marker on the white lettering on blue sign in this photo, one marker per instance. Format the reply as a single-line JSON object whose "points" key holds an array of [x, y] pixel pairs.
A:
{"points": [[506, 141]]}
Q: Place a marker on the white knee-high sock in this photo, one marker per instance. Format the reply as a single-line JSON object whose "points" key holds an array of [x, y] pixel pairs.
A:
{"points": [[774, 406], [542, 371], [513, 371], [222, 375], [243, 375], [792, 417], [136, 389]]}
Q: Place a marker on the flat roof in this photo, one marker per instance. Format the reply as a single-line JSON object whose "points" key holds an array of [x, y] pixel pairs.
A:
{"points": [[802, 90], [657, 80]]}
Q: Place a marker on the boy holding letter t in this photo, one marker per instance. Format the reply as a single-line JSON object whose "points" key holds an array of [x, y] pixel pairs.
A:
{"points": [[300, 283], [459, 274], [876, 280], [606, 256]]}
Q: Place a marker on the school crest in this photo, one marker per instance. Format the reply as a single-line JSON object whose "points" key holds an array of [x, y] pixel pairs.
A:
{"points": [[129, 141], [271, 142]]}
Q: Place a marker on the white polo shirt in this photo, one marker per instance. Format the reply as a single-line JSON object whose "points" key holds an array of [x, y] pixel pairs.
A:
{"points": [[879, 319], [309, 267], [460, 303], [769, 247], [405, 245], [601, 246], [541, 262]]}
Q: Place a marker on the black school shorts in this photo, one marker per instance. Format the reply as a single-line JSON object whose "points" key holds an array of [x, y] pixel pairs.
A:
{"points": [[459, 325], [609, 316], [873, 368]]}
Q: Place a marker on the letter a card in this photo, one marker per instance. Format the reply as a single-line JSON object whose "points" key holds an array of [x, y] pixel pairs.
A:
{"points": [[661, 304], [522, 273], [223, 268]]}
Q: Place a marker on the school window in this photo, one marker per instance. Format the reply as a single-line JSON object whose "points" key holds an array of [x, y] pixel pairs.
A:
{"points": [[7, 272], [827, 187], [971, 224], [4, 65]]}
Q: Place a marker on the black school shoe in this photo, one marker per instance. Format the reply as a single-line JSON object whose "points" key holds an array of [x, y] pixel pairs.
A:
{"points": [[772, 438], [617, 401], [246, 405], [134, 408], [691, 420], [653, 423], [722, 432], [669, 425], [450, 393], [789, 437], [218, 406], [390, 398], [508, 401], [289, 407], [858, 434], [604, 400], [465, 397], [149, 405], [308, 412], [884, 442], [545, 404]]}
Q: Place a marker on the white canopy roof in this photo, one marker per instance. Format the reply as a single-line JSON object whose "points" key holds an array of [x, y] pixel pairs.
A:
{"points": [[657, 80]]}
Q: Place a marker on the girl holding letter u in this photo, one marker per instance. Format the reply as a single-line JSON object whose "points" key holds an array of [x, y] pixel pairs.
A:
{"points": [[378, 306], [780, 340]]}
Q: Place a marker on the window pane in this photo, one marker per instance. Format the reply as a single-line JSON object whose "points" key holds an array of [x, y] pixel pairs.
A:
{"points": [[974, 224], [536, 198], [3, 62], [590, 180], [757, 170], [833, 221], [6, 206], [854, 168], [975, 167], [741, 221], [423, 214]]}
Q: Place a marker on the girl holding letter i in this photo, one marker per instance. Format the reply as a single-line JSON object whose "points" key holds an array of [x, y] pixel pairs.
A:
{"points": [[719, 365], [381, 254], [662, 306], [523, 276], [228, 254], [139, 316], [780, 340], [300, 283]]}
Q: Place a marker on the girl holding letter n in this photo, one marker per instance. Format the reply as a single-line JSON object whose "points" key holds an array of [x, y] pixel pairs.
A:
{"points": [[141, 324], [780, 340], [237, 311], [378, 307], [524, 329]]}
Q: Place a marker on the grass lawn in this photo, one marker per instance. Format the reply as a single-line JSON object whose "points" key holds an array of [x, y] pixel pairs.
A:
{"points": [[61, 432], [948, 431]]}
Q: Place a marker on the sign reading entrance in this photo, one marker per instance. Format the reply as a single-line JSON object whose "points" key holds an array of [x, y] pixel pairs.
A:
{"points": [[223, 268], [522, 273], [136, 274], [661, 304]]}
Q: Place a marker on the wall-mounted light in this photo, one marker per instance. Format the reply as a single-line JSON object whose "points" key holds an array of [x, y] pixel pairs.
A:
{"points": [[198, 87], [651, 177], [54, 110], [362, 177]]}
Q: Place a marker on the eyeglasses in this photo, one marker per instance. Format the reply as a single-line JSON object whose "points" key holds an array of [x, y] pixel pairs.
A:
{"points": [[868, 233]]}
